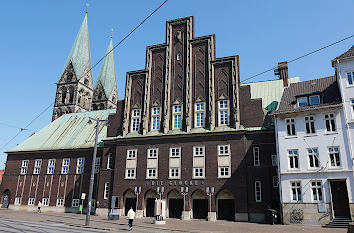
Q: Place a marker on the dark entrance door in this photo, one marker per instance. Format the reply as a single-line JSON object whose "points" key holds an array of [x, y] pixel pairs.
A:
{"points": [[150, 206], [129, 202], [226, 209], [175, 208], [6, 199], [340, 199], [200, 208]]}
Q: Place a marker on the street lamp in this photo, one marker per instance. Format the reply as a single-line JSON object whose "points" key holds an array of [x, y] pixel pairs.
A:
{"points": [[92, 177], [184, 192], [210, 192], [160, 191], [137, 191]]}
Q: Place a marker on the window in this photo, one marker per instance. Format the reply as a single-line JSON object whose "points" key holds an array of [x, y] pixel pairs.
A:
{"points": [[109, 161], [290, 126], [302, 101], [152, 153], [75, 203], [314, 99], [350, 77], [258, 191], [31, 201], [313, 157], [151, 173], [179, 56], [334, 156], [65, 166], [80, 165], [130, 173], [177, 116], [106, 191], [224, 172], [198, 150], [131, 154], [45, 201], [135, 120], [18, 200], [330, 122], [175, 152], [174, 172], [275, 182], [352, 104], [293, 159], [296, 190], [224, 150], [155, 118], [274, 160], [316, 187], [97, 165], [199, 114], [24, 167], [51, 166], [37, 166], [310, 124], [256, 159], [223, 112], [198, 172], [60, 202]]}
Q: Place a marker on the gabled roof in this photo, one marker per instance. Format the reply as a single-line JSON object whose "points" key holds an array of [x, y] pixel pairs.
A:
{"points": [[348, 53], [107, 74], [70, 131], [80, 52], [327, 86]]}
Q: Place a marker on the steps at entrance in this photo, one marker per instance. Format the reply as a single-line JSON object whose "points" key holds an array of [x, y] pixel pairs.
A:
{"points": [[339, 222]]}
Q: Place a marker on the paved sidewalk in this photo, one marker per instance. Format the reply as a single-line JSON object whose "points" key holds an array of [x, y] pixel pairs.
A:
{"points": [[172, 225]]}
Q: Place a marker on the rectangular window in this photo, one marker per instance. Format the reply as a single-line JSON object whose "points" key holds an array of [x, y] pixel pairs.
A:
{"points": [[290, 126], [313, 157], [151, 173], [109, 161], [296, 190], [310, 124], [106, 191], [51, 166], [75, 203], [155, 118], [334, 156], [258, 191], [18, 200], [330, 122], [302, 101], [97, 165], [275, 182], [60, 201], [223, 112], [198, 172], [274, 160], [24, 167], [223, 150], [293, 159], [131, 154], [224, 172], [199, 114], [65, 166], [352, 107], [130, 173], [350, 77], [80, 165], [314, 99], [45, 201], [37, 166], [175, 152], [256, 159], [174, 173], [153, 153], [316, 187], [198, 150], [135, 120], [31, 201], [177, 116]]}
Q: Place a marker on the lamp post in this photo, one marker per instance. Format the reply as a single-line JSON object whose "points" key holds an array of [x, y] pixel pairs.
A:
{"points": [[210, 192], [137, 191], [160, 191], [92, 177], [184, 192]]}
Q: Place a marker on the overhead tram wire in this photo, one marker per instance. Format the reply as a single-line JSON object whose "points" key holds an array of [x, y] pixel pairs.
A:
{"points": [[120, 42], [298, 58]]}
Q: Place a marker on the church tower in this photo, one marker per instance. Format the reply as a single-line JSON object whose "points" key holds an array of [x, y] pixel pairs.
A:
{"points": [[75, 87], [105, 94]]}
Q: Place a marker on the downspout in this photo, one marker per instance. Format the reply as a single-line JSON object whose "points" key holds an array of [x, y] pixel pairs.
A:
{"points": [[247, 199], [279, 174]]}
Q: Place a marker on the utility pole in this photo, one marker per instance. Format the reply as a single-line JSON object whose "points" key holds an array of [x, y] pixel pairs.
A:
{"points": [[92, 177]]}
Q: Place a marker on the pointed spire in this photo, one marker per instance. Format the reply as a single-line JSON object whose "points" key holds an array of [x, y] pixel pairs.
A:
{"points": [[80, 52], [107, 74]]}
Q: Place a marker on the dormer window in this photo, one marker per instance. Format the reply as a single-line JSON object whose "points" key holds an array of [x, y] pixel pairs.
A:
{"points": [[302, 101], [314, 99], [309, 100]]}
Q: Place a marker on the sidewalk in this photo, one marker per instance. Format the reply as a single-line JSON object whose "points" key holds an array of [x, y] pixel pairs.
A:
{"points": [[172, 225]]}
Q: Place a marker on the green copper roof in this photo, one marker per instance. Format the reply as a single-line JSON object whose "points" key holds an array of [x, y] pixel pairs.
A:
{"points": [[80, 52], [70, 131], [107, 74]]}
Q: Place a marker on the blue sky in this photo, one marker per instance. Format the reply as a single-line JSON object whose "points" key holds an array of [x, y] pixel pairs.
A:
{"points": [[36, 38]]}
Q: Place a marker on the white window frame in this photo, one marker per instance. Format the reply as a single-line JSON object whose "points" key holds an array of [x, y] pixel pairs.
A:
{"points": [[258, 191], [153, 153], [198, 151], [198, 172], [135, 120], [310, 127], [155, 118], [177, 111], [313, 157], [256, 157], [153, 174], [24, 167], [296, 189], [65, 166], [18, 200], [109, 161], [60, 202], [51, 166], [335, 162], [224, 169], [302, 98], [316, 190], [75, 203], [330, 119], [223, 112], [292, 158], [45, 201], [31, 201], [199, 115], [80, 167], [37, 166], [224, 150], [97, 165], [175, 152], [274, 160], [130, 173], [350, 75], [290, 126], [106, 191], [173, 171], [132, 154]]}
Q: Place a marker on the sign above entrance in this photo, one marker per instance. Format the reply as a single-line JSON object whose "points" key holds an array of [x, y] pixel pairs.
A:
{"points": [[83, 196], [175, 183]]}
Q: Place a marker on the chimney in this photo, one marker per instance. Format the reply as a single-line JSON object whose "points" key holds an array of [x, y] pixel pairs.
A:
{"points": [[282, 72]]}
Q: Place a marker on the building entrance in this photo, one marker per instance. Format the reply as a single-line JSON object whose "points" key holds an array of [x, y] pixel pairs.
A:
{"points": [[129, 201], [225, 206], [175, 204], [150, 207], [340, 199], [200, 205]]}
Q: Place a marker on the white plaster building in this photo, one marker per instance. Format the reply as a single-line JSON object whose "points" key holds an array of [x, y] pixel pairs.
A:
{"points": [[315, 168]]}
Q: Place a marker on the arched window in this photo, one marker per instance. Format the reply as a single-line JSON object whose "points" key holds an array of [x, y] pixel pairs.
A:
{"points": [[71, 93], [63, 95]]}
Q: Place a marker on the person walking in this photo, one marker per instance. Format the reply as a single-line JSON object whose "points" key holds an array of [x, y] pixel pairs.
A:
{"points": [[39, 207], [131, 215]]}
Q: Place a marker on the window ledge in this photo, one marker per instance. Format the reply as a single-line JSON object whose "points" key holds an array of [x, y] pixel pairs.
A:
{"points": [[150, 178], [294, 170], [198, 178], [174, 178], [310, 135], [292, 136], [224, 177], [330, 133], [129, 178], [335, 168]]}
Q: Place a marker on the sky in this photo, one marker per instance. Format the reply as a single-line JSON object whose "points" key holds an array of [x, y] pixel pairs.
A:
{"points": [[36, 38]]}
